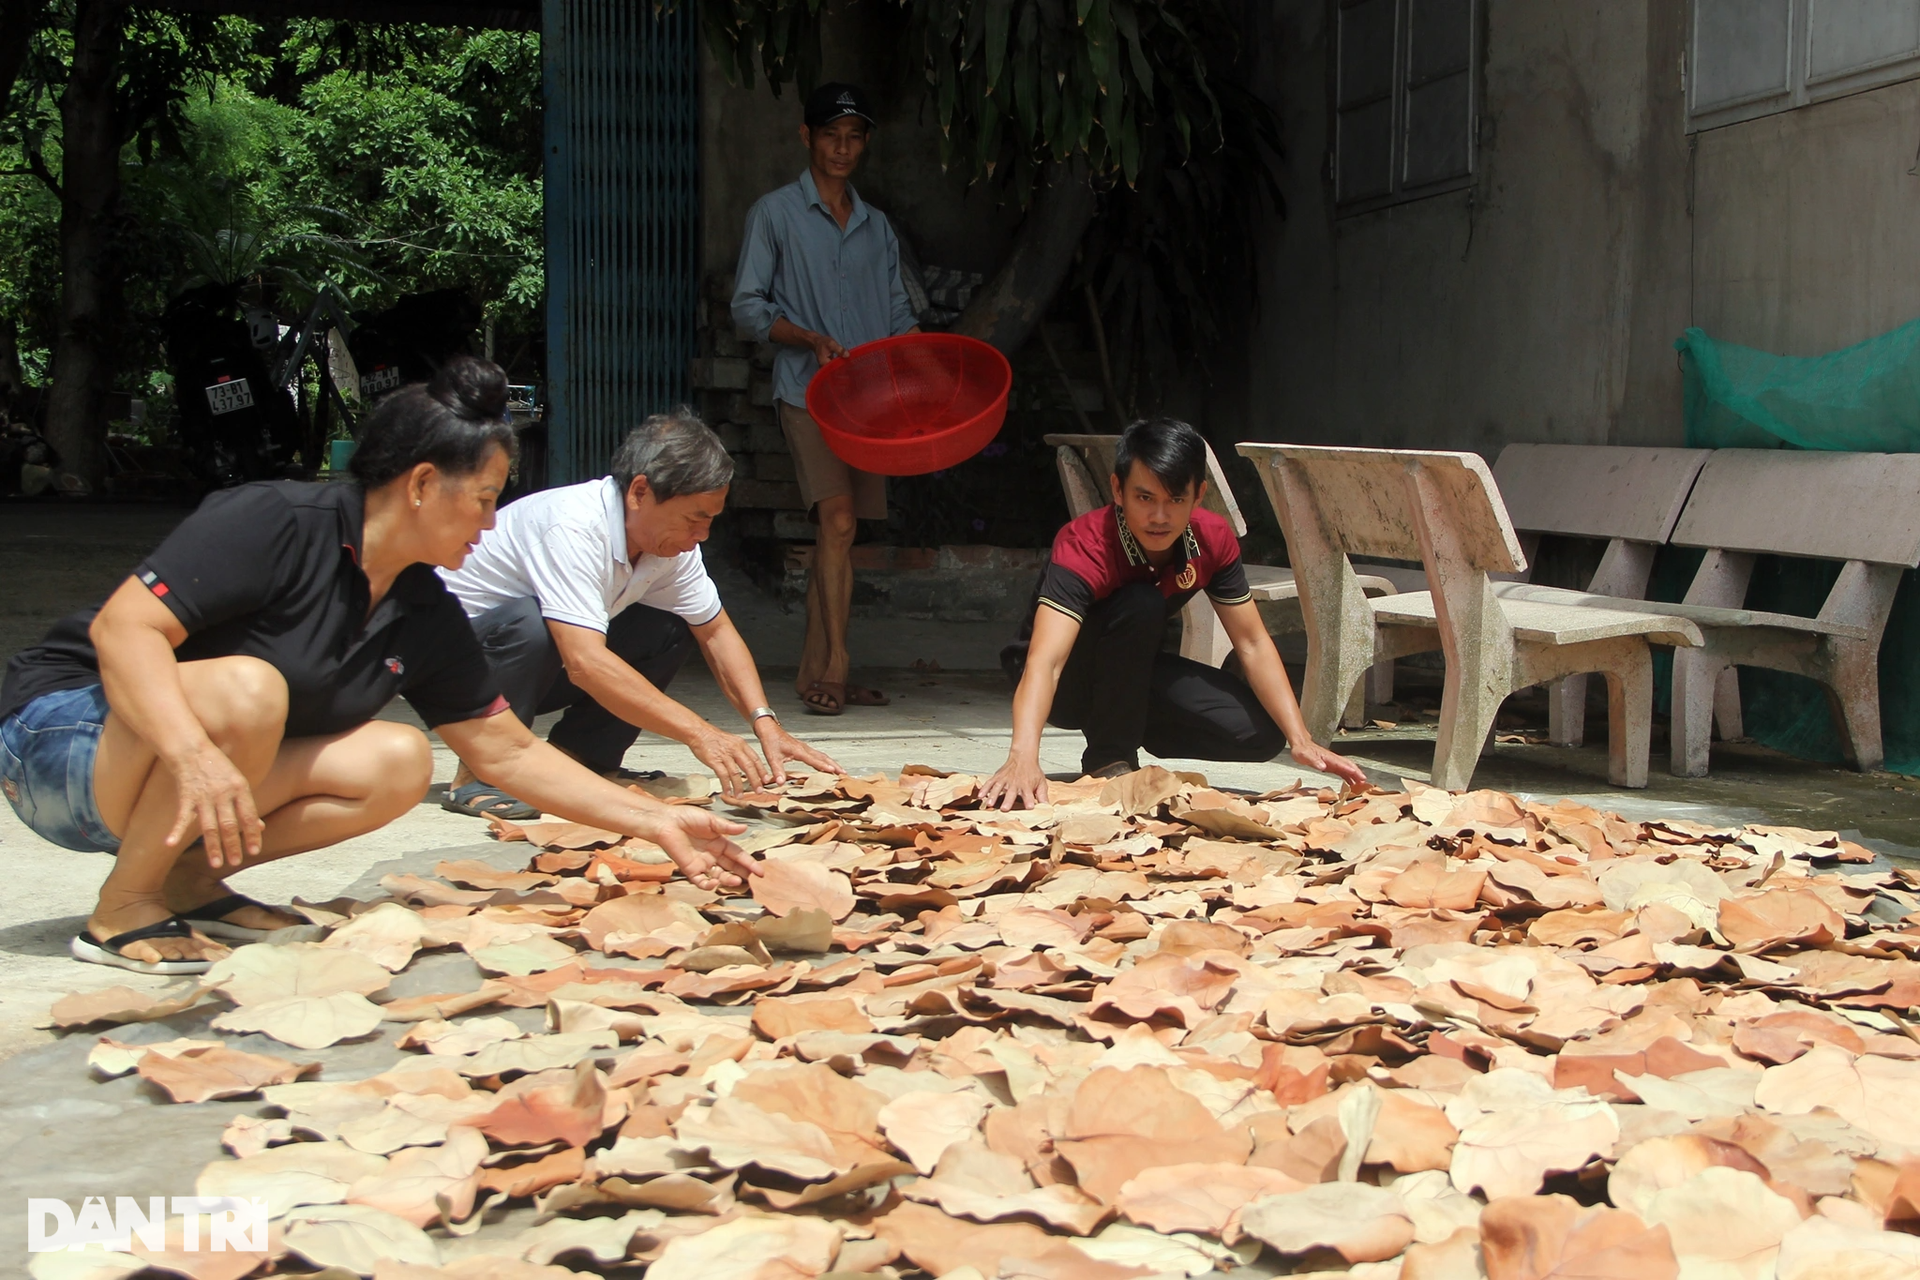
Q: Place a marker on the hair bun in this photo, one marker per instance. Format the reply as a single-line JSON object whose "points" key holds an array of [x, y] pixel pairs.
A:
{"points": [[471, 387]]}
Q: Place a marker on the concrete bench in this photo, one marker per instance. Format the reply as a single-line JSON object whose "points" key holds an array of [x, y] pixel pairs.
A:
{"points": [[1627, 496], [1444, 510], [1859, 508], [1084, 462]]}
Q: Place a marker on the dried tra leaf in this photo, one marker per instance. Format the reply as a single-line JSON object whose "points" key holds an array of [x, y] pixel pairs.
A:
{"points": [[199, 1074], [1121, 1123], [570, 1110], [1361, 1223], [261, 972], [847, 1111], [1550, 1237], [1660, 1164], [357, 1238], [778, 1017], [734, 1134], [111, 1058], [1410, 1136], [923, 1125], [754, 1247], [1207, 1198], [789, 885], [298, 1174], [642, 914], [306, 1022], [939, 1244], [198, 1262], [1782, 1037], [1780, 915], [1724, 1223], [1822, 1249], [804, 930], [420, 1183], [1878, 1095], [116, 1005], [388, 935], [1509, 1152]]}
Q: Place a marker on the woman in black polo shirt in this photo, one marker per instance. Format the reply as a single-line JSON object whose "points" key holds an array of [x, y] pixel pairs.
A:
{"points": [[225, 694]]}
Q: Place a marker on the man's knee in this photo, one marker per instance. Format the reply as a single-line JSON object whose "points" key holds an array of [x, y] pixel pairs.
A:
{"points": [[838, 524], [512, 630], [642, 634], [1263, 742]]}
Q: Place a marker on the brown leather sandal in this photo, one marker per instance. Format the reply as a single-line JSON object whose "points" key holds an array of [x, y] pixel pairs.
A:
{"points": [[825, 698]]}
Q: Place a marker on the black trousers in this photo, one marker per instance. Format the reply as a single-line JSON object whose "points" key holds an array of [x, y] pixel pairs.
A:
{"points": [[1124, 693], [526, 666]]}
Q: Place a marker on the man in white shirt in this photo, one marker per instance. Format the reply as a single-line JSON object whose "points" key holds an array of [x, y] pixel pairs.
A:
{"points": [[591, 596]]}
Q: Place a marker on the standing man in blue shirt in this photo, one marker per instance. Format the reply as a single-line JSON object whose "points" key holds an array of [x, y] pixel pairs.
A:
{"points": [[819, 274]]}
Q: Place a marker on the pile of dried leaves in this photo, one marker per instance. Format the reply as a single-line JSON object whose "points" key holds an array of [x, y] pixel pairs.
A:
{"points": [[1149, 1029]]}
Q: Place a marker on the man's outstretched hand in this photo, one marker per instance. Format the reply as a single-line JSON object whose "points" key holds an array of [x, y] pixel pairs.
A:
{"points": [[1019, 784], [779, 746]]}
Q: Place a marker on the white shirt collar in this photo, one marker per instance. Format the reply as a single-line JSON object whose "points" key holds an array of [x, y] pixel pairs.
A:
{"points": [[616, 518]]}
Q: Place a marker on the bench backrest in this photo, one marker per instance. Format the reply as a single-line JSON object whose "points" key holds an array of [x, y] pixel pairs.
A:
{"points": [[1362, 501], [1098, 451], [1083, 493], [1830, 506], [1597, 490]]}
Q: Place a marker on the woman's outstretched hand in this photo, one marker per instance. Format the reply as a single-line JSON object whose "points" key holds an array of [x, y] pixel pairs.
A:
{"points": [[698, 843]]}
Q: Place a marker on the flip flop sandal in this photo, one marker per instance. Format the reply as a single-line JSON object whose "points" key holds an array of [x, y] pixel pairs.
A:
{"points": [[478, 800], [210, 919], [859, 696], [90, 949], [821, 700]]}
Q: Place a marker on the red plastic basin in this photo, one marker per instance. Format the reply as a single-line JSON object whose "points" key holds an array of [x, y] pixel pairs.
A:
{"points": [[909, 405]]}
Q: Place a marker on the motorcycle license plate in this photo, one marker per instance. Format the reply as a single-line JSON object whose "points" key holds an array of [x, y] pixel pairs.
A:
{"points": [[225, 397], [379, 380]]}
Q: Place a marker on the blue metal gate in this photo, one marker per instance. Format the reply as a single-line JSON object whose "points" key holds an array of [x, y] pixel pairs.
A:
{"points": [[622, 208]]}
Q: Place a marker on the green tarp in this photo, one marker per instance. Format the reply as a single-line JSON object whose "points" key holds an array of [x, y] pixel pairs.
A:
{"points": [[1865, 398]]}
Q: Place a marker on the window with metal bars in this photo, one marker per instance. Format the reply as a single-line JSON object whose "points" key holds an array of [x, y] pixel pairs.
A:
{"points": [[1406, 97]]}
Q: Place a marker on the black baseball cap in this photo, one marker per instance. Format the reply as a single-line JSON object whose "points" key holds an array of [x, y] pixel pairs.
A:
{"points": [[832, 100]]}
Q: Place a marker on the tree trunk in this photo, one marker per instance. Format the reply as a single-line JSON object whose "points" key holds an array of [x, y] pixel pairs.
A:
{"points": [[17, 21], [1007, 310], [12, 382], [89, 200]]}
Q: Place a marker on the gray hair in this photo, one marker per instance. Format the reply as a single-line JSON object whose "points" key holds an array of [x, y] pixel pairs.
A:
{"points": [[676, 452]]}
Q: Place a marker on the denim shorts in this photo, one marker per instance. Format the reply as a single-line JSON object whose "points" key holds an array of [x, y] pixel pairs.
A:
{"points": [[46, 767]]}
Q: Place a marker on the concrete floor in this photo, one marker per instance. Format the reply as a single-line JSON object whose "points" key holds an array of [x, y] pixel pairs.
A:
{"points": [[65, 1134]]}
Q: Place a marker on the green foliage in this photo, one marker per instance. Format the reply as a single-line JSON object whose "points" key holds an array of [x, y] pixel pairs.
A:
{"points": [[1017, 84], [390, 159]]}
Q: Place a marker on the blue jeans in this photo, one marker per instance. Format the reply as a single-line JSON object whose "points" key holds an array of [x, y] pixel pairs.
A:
{"points": [[47, 750]]}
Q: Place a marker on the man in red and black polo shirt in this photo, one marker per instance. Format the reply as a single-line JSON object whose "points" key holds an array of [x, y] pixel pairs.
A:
{"points": [[1090, 657]]}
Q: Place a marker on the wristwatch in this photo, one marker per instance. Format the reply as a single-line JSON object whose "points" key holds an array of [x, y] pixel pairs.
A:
{"points": [[754, 716]]}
